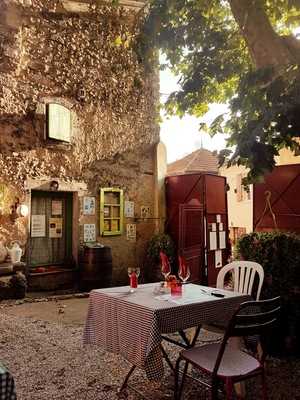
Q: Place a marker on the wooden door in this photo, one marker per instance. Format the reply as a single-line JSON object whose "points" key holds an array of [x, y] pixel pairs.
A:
{"points": [[51, 229], [191, 241]]}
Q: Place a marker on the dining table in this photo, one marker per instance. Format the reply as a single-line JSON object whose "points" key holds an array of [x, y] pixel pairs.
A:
{"points": [[7, 384], [134, 324]]}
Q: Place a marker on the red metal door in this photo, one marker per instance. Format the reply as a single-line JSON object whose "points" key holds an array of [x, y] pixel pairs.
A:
{"points": [[191, 238], [282, 211]]}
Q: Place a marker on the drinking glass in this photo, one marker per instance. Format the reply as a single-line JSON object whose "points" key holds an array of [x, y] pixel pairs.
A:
{"points": [[165, 265], [133, 274], [184, 270]]}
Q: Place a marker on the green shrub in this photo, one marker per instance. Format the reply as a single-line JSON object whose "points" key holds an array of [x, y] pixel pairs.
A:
{"points": [[279, 255], [159, 242]]}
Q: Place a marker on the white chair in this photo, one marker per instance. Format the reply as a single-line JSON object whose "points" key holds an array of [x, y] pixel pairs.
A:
{"points": [[243, 274]]}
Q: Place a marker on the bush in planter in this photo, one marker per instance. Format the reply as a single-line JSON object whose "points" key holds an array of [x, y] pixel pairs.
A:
{"points": [[279, 254], [159, 242]]}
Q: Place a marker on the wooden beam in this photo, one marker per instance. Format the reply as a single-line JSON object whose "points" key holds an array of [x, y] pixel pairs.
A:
{"points": [[83, 5]]}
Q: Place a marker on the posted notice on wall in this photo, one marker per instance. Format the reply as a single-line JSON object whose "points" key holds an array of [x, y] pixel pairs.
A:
{"points": [[218, 258], [89, 205], [55, 228], [131, 232], [213, 240], [222, 240], [38, 226], [89, 233], [56, 207], [129, 209]]}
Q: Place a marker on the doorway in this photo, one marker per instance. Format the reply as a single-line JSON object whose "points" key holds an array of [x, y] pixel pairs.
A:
{"points": [[50, 241]]}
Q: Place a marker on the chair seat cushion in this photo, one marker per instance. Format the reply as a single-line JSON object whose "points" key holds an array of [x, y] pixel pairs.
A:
{"points": [[234, 362]]}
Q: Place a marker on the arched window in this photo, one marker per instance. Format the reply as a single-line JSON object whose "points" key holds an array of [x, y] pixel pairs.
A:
{"points": [[58, 122]]}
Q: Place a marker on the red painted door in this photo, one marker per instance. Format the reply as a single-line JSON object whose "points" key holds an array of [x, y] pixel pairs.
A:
{"points": [[191, 238], [276, 200]]}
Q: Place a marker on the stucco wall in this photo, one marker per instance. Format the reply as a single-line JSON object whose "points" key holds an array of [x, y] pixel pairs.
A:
{"points": [[87, 62], [286, 157], [240, 213]]}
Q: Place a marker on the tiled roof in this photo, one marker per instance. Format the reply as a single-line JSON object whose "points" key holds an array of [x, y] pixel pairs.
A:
{"points": [[201, 160]]}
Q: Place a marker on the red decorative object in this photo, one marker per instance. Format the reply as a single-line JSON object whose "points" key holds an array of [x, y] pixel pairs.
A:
{"points": [[133, 280], [165, 264], [176, 289]]}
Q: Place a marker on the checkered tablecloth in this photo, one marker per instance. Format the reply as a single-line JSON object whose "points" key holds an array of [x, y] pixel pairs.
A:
{"points": [[7, 385], [131, 324]]}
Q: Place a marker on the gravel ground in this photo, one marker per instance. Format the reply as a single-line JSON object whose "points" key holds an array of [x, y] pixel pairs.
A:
{"points": [[48, 362]]}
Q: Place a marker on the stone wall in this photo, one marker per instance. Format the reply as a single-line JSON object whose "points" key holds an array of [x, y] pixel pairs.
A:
{"points": [[86, 61]]}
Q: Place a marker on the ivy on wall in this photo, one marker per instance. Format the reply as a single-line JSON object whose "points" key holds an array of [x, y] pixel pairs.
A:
{"points": [[88, 59]]}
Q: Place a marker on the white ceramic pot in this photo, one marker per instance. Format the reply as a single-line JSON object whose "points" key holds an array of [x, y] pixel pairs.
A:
{"points": [[15, 253]]}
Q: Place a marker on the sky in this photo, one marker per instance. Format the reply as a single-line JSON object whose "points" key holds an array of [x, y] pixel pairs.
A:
{"points": [[181, 135]]}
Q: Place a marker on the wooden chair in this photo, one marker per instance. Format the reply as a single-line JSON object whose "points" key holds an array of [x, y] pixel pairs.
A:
{"points": [[226, 363], [244, 274]]}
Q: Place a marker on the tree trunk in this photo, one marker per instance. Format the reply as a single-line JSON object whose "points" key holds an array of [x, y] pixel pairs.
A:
{"points": [[266, 47]]}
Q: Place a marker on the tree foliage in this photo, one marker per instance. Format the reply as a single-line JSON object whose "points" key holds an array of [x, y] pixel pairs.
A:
{"points": [[215, 55]]}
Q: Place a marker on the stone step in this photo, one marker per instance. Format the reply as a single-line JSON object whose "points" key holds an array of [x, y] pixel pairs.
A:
{"points": [[6, 269]]}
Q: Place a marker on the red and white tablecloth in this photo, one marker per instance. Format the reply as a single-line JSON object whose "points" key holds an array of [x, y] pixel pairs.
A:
{"points": [[7, 385], [131, 324]]}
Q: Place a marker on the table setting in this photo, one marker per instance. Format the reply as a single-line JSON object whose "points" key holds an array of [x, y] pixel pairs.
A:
{"points": [[134, 320]]}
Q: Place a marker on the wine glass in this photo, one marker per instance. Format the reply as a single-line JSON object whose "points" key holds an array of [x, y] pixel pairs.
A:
{"points": [[133, 274], [184, 270], [136, 270], [165, 265]]}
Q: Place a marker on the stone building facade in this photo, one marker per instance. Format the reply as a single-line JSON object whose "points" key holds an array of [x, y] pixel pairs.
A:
{"points": [[80, 55]]}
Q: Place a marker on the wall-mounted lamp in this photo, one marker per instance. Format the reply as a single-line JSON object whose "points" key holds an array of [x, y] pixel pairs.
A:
{"points": [[22, 210], [18, 210], [54, 185]]}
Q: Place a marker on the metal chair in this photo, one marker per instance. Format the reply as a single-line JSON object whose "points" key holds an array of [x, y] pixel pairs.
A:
{"points": [[244, 273], [229, 364]]}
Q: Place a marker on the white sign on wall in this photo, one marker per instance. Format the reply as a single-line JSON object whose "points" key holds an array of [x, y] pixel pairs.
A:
{"points": [[56, 207], [131, 232], [38, 225], [89, 232], [55, 228], [129, 209], [89, 204]]}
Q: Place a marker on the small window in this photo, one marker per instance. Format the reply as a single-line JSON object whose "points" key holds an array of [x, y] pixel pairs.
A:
{"points": [[58, 119], [241, 192]]}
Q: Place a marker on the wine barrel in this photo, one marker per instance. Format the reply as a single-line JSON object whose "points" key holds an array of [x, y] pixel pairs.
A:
{"points": [[95, 267]]}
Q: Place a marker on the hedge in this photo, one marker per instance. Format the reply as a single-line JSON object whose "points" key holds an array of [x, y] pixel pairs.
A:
{"points": [[279, 255]]}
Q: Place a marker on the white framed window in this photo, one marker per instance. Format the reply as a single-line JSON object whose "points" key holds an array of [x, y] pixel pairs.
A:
{"points": [[58, 122]]}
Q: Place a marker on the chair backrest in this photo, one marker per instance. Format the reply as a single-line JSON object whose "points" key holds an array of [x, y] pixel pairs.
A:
{"points": [[243, 276], [251, 318]]}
